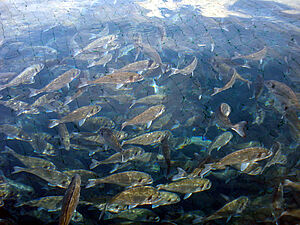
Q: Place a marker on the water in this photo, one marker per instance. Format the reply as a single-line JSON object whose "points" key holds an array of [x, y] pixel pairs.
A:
{"points": [[169, 34]]}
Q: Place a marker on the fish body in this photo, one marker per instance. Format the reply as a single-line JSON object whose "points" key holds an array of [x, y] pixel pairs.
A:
{"points": [[118, 78], [46, 99], [187, 186], [31, 162], [77, 94], [79, 114], [222, 120], [167, 198], [93, 123], [294, 185], [70, 201], [232, 208], [64, 136], [14, 132], [150, 138], [150, 100], [220, 141], [144, 195], [245, 156], [284, 94], [50, 203], [126, 179], [120, 157], [147, 116], [258, 86], [53, 177], [25, 77], [57, 83], [254, 56], [188, 69], [85, 175], [165, 148], [110, 139], [102, 61]]}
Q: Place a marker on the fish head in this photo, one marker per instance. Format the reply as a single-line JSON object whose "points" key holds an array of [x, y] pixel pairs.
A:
{"points": [[145, 180], [271, 85], [225, 109], [116, 208], [95, 109], [136, 77]]}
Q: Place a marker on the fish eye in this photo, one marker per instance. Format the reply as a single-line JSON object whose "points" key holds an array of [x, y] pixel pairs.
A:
{"points": [[273, 86], [169, 200]]}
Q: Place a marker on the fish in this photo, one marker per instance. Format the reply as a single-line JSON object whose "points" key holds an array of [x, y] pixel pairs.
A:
{"points": [[258, 86], [98, 43], [165, 148], [45, 99], [102, 61], [57, 106], [187, 186], [31, 162], [14, 132], [127, 179], [149, 51], [231, 82], [222, 120], [189, 69], [167, 198], [138, 66], [278, 157], [277, 201], [284, 94], [49, 203], [237, 206], [110, 139], [256, 56], [146, 117], [291, 212], [144, 195], [19, 107], [220, 141], [120, 157], [93, 123], [41, 146], [124, 51], [150, 138], [79, 114], [64, 136], [118, 78], [70, 200], [53, 177], [244, 156], [25, 77], [150, 100], [58, 83], [77, 94]]}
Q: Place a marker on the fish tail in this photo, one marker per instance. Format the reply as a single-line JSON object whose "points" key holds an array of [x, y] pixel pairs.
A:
{"points": [[8, 150], [94, 164], [216, 91], [91, 183], [84, 82], [239, 128], [18, 169], [132, 104], [53, 123], [34, 92]]}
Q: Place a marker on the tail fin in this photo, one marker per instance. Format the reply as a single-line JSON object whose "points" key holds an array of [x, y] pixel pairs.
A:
{"points": [[18, 169], [34, 92], [180, 175], [84, 82], [133, 103], [239, 128], [216, 91], [94, 164], [8, 150], [91, 183], [53, 123]]}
